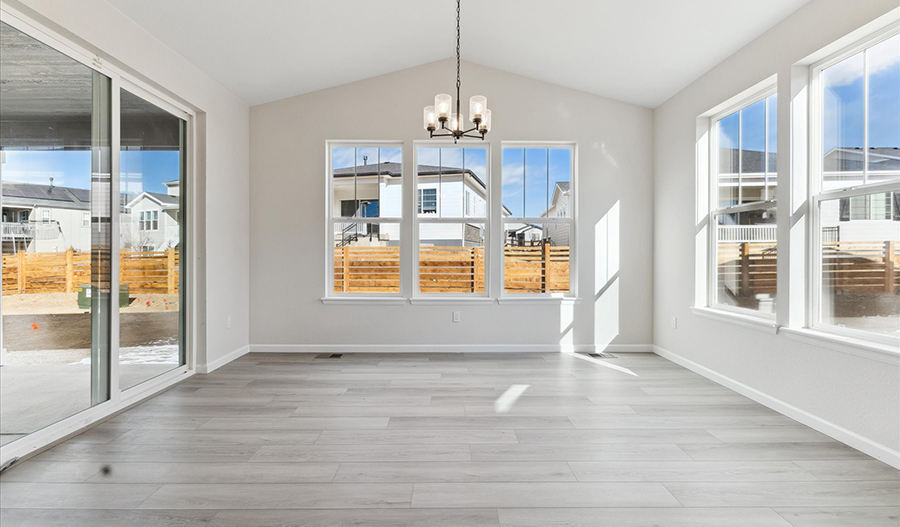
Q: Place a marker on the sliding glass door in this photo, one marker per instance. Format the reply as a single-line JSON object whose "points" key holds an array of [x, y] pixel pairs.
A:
{"points": [[94, 173], [151, 168], [55, 167]]}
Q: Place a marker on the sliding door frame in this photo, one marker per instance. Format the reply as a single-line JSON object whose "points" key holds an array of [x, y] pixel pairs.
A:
{"points": [[120, 400]]}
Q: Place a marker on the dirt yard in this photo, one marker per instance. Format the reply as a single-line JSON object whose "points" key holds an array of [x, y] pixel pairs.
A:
{"points": [[67, 303], [73, 331]]}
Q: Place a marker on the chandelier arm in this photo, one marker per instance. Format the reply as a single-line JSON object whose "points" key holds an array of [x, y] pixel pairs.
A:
{"points": [[474, 136]]}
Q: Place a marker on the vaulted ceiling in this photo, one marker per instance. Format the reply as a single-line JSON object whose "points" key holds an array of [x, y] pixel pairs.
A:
{"points": [[638, 51]]}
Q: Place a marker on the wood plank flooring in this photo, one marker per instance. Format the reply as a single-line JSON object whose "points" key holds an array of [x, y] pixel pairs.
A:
{"points": [[398, 440]]}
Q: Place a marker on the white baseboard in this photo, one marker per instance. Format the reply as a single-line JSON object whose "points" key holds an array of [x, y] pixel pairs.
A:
{"points": [[443, 348], [221, 361], [848, 437]]}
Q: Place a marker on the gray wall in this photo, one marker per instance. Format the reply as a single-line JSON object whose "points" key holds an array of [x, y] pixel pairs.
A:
{"points": [[859, 394], [287, 204]]}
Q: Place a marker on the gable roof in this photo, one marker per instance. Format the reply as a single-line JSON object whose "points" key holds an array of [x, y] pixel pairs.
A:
{"points": [[165, 200], [561, 188], [396, 170], [851, 159]]}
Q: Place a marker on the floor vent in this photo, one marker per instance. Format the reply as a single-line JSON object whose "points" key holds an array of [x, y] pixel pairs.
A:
{"points": [[329, 355], [601, 355]]}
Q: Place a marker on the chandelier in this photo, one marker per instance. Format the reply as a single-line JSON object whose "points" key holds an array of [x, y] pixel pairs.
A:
{"points": [[453, 123]]}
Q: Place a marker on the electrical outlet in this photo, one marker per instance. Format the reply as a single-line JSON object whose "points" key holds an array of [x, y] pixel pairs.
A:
{"points": [[456, 316], [227, 322], [674, 322]]}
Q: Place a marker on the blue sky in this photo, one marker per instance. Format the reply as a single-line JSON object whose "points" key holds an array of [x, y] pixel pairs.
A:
{"points": [[843, 105], [844, 98], [530, 176], [141, 170], [344, 157]]}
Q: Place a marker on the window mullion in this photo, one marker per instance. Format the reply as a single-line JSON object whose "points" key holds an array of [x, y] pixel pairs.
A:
{"points": [[865, 117], [740, 156]]}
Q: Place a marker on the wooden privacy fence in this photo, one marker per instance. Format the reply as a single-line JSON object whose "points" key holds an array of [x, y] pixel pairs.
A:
{"points": [[538, 269], [451, 269], [541, 268], [143, 272], [861, 267], [749, 268]]}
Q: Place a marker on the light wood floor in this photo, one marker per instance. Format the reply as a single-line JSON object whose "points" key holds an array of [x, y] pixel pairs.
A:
{"points": [[407, 440]]}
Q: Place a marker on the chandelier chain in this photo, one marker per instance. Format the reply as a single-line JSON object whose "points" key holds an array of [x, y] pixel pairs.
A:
{"points": [[457, 43], [442, 111]]}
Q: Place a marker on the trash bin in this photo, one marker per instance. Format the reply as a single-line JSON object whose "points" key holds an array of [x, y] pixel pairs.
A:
{"points": [[86, 291]]}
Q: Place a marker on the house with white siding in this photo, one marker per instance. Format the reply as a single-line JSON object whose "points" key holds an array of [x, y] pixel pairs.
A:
{"points": [[445, 192], [50, 218]]}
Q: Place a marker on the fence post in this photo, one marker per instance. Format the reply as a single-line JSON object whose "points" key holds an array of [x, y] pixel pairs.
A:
{"points": [[888, 267], [545, 265], [745, 269], [69, 269], [345, 268], [21, 277], [475, 251], [170, 270]]}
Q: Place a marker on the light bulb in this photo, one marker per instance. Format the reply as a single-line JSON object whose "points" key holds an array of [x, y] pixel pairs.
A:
{"points": [[477, 108], [442, 104]]}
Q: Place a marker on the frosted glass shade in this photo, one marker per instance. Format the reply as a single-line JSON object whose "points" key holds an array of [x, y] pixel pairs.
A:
{"points": [[477, 107], [443, 105], [485, 125], [430, 118]]}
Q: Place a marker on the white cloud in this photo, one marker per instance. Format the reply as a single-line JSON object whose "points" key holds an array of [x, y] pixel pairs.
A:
{"points": [[879, 58]]}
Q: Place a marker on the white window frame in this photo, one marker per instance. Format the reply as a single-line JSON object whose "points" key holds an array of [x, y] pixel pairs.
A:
{"points": [[331, 219], [713, 202], [148, 220], [571, 221], [85, 219], [420, 201], [817, 195], [418, 219], [120, 77], [46, 216]]}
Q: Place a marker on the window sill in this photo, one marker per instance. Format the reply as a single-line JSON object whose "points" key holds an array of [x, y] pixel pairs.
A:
{"points": [[452, 301], [538, 300], [362, 300], [748, 321], [859, 347]]}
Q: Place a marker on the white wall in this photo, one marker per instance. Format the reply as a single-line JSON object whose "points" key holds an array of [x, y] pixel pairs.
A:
{"points": [[287, 204], [223, 158], [858, 394]]}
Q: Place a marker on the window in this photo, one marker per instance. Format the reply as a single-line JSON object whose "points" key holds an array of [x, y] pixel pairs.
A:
{"points": [[365, 209], [427, 201], [450, 243], [743, 247], [538, 197], [855, 191], [45, 215], [873, 207], [85, 219], [148, 220]]}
